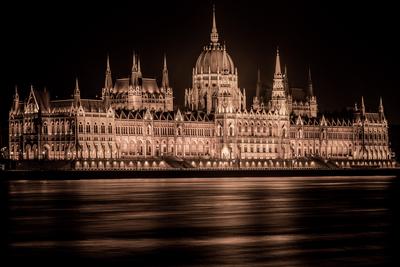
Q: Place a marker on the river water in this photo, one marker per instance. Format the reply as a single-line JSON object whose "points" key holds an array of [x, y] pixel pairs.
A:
{"points": [[303, 221]]}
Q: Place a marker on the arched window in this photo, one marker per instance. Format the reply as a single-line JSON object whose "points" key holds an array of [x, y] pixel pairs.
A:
{"points": [[87, 128], [110, 128], [95, 128], [103, 128], [80, 128]]}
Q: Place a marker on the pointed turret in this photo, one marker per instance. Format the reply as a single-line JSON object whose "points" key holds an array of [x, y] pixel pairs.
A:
{"points": [[16, 95], [362, 106], [214, 32], [286, 81], [278, 72], [165, 80], [258, 86], [224, 61], [77, 93], [16, 99], [278, 96], [381, 110], [139, 68], [310, 91], [108, 80], [135, 71], [134, 65]]}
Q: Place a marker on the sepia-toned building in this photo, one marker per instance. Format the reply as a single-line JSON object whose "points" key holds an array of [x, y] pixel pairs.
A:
{"points": [[135, 120]]}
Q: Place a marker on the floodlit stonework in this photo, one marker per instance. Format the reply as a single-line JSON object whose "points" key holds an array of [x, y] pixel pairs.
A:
{"points": [[134, 125]]}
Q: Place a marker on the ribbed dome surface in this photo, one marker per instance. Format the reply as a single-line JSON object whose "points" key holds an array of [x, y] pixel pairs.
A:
{"points": [[212, 57]]}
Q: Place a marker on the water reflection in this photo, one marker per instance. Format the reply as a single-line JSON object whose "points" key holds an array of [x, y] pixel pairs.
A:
{"points": [[197, 222]]}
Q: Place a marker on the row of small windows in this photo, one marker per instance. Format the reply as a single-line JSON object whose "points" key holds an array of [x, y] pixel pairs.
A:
{"points": [[259, 149], [131, 130], [261, 130], [95, 128], [57, 127], [197, 132], [372, 136], [270, 131], [164, 131], [138, 130], [336, 135]]}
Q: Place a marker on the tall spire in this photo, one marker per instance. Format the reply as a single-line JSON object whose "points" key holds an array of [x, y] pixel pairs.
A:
{"points": [[165, 80], [362, 106], [16, 95], [258, 86], [278, 72], [278, 95], [134, 66], [108, 81], [309, 83], [135, 71], [138, 68], [286, 80], [16, 99], [224, 61], [214, 33], [77, 92], [381, 110]]}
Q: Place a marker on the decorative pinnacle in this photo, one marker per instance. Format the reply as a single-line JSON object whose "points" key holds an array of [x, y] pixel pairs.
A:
{"points": [[214, 32], [278, 63], [108, 62], [77, 91]]}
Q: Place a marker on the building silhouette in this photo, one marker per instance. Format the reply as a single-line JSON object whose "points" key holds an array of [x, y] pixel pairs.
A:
{"points": [[135, 120]]}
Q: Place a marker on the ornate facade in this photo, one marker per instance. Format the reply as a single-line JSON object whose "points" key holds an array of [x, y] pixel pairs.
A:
{"points": [[135, 120]]}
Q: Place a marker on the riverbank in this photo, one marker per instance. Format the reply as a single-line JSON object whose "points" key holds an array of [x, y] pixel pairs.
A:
{"points": [[189, 173]]}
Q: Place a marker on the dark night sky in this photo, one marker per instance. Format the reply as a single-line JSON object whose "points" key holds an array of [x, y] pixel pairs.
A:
{"points": [[352, 48]]}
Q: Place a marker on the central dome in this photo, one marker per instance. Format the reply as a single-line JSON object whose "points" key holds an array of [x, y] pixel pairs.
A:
{"points": [[212, 58]]}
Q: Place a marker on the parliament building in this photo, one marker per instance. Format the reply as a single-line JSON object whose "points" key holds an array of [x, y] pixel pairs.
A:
{"points": [[135, 125]]}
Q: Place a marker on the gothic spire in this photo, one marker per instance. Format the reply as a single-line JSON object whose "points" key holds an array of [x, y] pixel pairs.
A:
{"points": [[286, 80], [258, 86], [224, 60], [108, 80], [77, 92], [134, 66], [134, 74], [381, 105], [165, 80], [214, 33], [139, 68], [16, 95], [16, 99], [362, 106], [309, 83], [278, 72]]}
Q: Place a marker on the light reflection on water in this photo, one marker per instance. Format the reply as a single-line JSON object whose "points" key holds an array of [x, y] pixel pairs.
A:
{"points": [[195, 222]]}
